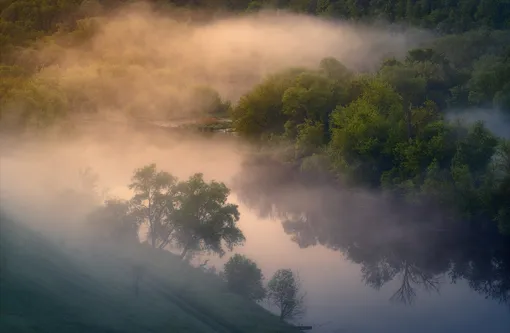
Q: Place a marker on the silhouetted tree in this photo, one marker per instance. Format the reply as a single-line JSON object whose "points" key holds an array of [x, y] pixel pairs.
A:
{"points": [[284, 292], [192, 215], [244, 277], [203, 219], [153, 203]]}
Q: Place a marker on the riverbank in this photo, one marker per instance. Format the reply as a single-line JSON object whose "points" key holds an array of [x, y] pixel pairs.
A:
{"points": [[63, 286]]}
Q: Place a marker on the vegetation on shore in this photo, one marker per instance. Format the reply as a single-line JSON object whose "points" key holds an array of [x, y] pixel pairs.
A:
{"points": [[391, 131], [49, 287]]}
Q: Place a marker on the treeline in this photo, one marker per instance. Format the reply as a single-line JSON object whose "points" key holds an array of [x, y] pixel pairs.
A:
{"points": [[390, 130], [445, 16], [22, 20]]}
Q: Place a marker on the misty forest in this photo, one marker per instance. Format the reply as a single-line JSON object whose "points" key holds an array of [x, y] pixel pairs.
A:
{"points": [[254, 166]]}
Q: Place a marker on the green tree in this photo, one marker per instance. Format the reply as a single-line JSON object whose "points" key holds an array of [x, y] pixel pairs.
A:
{"points": [[489, 81], [284, 292], [365, 132], [153, 203], [312, 97], [260, 111], [204, 220], [244, 277], [192, 215]]}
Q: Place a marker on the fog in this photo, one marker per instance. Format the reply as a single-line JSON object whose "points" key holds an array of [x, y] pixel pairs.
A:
{"points": [[495, 120], [141, 64]]}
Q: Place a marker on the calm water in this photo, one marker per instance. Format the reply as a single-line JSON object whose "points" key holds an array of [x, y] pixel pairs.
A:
{"points": [[339, 300], [368, 265]]}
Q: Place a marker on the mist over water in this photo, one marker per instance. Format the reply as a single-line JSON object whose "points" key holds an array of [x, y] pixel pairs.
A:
{"points": [[353, 249]]}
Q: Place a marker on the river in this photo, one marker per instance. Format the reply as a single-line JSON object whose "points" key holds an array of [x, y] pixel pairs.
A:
{"points": [[365, 265], [338, 300], [368, 265]]}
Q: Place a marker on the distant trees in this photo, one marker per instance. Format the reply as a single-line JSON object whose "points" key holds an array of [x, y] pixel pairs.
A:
{"points": [[284, 292], [191, 215], [243, 277]]}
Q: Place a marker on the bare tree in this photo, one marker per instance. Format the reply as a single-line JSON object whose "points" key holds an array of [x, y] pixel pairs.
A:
{"points": [[284, 292]]}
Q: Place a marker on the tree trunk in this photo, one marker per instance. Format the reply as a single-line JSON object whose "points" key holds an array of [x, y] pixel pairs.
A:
{"points": [[184, 252]]}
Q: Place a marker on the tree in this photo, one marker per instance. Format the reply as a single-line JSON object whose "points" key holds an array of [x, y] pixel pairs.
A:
{"points": [[191, 215], [244, 277], [153, 203], [260, 110], [203, 219], [365, 132], [283, 291], [207, 100], [114, 221]]}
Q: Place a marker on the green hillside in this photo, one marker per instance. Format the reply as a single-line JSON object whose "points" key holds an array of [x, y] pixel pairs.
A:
{"points": [[48, 286]]}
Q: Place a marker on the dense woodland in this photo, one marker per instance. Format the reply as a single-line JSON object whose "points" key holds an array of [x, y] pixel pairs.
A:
{"points": [[386, 130]]}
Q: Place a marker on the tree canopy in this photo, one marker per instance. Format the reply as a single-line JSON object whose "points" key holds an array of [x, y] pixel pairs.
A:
{"points": [[192, 215], [243, 277], [389, 130]]}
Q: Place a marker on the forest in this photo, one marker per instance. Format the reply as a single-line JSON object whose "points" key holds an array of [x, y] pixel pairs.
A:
{"points": [[390, 130], [421, 138]]}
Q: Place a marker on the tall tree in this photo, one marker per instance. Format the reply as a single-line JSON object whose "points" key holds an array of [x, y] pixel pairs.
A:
{"points": [[153, 202]]}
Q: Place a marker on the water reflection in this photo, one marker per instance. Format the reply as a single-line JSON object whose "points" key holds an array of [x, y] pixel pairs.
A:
{"points": [[415, 251]]}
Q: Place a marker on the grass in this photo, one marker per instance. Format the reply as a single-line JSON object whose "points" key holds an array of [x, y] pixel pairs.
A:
{"points": [[50, 287]]}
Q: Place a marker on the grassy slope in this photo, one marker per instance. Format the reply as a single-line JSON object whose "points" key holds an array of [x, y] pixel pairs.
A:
{"points": [[47, 289]]}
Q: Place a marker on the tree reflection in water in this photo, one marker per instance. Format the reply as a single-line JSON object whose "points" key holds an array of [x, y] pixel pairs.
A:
{"points": [[420, 247]]}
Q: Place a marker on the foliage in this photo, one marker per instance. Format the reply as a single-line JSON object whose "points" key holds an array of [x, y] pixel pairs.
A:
{"points": [[390, 130], [244, 277], [203, 219], [153, 203], [191, 215], [386, 130], [283, 291]]}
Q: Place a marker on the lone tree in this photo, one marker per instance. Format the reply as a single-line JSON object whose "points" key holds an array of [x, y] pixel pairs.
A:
{"points": [[283, 291], [244, 277]]}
